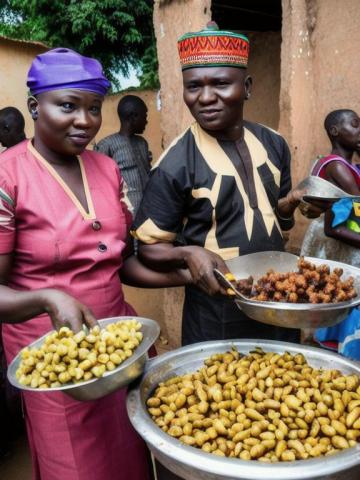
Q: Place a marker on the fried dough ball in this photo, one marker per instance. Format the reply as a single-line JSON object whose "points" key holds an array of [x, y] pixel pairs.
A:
{"points": [[245, 285], [293, 297], [278, 297], [310, 284]]}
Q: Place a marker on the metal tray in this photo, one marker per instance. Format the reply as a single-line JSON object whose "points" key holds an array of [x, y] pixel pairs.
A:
{"points": [[320, 190], [314, 198], [193, 464], [291, 315], [95, 388]]}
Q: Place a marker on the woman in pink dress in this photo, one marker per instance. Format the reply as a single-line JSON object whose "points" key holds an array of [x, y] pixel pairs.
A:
{"points": [[63, 228]]}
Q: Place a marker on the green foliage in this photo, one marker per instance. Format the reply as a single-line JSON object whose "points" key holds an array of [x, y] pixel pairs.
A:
{"points": [[149, 77], [119, 33]]}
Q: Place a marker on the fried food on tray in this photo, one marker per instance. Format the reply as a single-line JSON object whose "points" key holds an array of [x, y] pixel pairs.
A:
{"points": [[68, 357], [310, 284], [262, 406]]}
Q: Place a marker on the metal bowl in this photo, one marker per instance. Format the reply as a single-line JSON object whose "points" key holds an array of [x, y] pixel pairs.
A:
{"points": [[321, 190], [291, 315], [193, 464], [92, 389]]}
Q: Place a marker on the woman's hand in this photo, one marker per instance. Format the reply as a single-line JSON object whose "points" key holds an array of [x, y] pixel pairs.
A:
{"points": [[66, 311], [201, 264]]}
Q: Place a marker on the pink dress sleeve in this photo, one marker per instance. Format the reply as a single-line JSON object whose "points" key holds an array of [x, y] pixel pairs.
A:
{"points": [[7, 216]]}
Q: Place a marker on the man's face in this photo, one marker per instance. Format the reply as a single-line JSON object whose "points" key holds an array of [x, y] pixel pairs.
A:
{"points": [[139, 119], [68, 119], [215, 97], [349, 131]]}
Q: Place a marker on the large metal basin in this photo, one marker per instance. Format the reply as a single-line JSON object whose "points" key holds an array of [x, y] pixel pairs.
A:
{"points": [[193, 464], [92, 389], [291, 315]]}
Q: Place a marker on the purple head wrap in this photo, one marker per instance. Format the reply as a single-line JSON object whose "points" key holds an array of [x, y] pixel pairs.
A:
{"points": [[63, 68]]}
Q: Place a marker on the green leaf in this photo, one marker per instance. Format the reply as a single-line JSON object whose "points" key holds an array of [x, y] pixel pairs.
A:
{"points": [[119, 33]]}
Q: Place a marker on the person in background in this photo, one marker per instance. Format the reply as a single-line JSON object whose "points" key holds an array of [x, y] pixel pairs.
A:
{"points": [[129, 149], [12, 125], [63, 233], [223, 187], [336, 234]]}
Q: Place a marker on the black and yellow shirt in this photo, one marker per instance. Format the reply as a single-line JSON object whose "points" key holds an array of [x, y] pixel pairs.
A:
{"points": [[220, 195]]}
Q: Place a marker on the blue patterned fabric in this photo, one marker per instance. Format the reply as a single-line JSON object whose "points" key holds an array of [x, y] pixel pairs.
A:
{"points": [[341, 211], [346, 333]]}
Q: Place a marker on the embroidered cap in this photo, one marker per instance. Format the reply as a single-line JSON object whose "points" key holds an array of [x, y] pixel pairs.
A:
{"points": [[212, 48], [63, 68]]}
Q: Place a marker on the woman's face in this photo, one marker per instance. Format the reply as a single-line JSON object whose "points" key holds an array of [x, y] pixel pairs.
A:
{"points": [[66, 120]]}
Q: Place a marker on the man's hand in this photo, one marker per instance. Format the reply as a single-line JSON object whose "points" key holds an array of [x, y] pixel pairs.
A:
{"points": [[287, 205], [201, 264], [294, 199], [313, 209]]}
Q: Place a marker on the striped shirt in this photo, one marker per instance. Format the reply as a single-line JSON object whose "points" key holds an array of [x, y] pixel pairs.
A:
{"points": [[133, 158]]}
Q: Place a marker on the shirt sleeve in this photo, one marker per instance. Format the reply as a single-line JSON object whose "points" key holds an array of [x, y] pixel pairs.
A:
{"points": [[161, 213], [285, 180], [285, 185], [7, 217], [149, 155], [103, 147]]}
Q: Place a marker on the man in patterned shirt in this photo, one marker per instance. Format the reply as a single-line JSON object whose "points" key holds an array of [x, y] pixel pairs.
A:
{"points": [[223, 187], [129, 149]]}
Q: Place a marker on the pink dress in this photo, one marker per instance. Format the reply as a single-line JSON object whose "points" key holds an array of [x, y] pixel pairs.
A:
{"points": [[57, 244]]}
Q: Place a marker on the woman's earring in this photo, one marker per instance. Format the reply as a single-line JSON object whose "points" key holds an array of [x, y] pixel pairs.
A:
{"points": [[34, 114], [247, 96]]}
